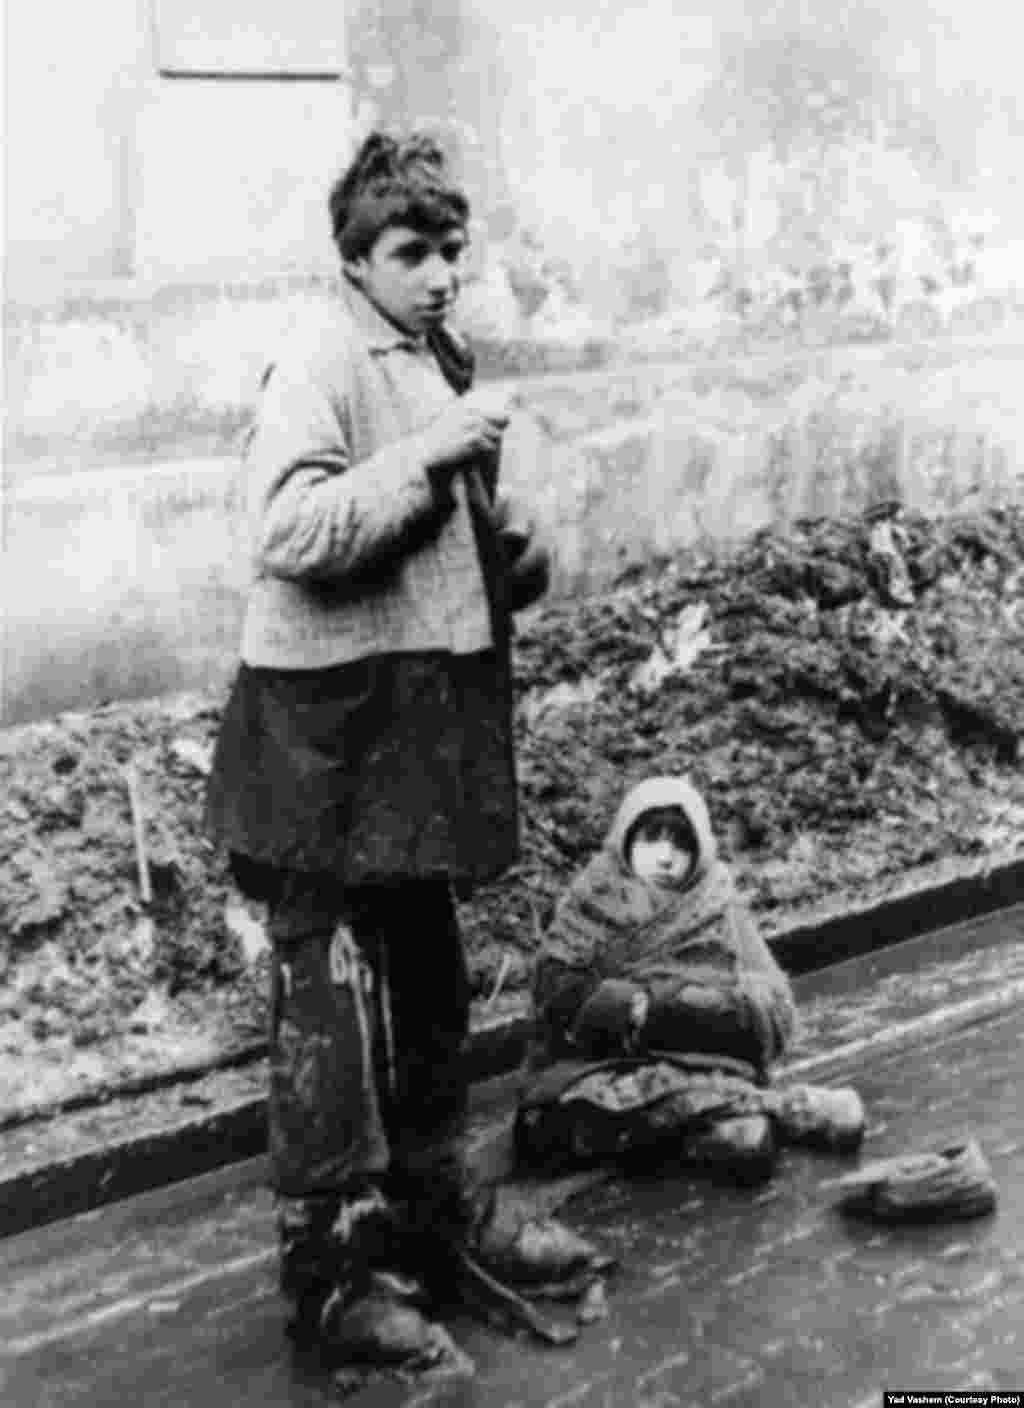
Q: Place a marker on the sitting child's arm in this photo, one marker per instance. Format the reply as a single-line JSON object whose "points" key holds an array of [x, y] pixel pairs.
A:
{"points": [[710, 1018], [580, 1011], [608, 1021], [580, 1014], [747, 1014], [763, 983]]}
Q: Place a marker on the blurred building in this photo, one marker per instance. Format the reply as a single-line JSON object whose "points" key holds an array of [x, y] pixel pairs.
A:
{"points": [[171, 140]]}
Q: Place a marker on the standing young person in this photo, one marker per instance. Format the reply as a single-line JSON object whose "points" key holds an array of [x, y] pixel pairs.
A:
{"points": [[365, 769]]}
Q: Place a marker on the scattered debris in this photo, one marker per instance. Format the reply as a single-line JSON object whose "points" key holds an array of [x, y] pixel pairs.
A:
{"points": [[197, 756], [887, 559], [594, 1305], [144, 938], [559, 699], [677, 653], [151, 1014], [247, 922]]}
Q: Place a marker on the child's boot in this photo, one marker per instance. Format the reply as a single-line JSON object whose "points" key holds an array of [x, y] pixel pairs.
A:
{"points": [[818, 1117], [741, 1149]]}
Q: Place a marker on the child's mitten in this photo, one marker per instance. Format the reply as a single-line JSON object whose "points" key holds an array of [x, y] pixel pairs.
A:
{"points": [[607, 1022]]}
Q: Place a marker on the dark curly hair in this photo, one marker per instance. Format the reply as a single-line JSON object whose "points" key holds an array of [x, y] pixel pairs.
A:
{"points": [[392, 181]]}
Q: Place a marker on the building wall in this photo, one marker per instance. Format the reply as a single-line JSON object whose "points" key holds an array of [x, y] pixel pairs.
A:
{"points": [[235, 175], [117, 172], [72, 160]]}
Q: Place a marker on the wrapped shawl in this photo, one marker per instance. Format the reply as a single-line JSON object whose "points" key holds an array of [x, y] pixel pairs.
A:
{"points": [[692, 955]]}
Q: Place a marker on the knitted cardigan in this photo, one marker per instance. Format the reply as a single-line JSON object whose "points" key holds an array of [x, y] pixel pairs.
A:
{"points": [[353, 552]]}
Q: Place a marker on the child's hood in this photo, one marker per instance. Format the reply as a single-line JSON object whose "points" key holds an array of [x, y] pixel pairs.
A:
{"points": [[659, 792]]}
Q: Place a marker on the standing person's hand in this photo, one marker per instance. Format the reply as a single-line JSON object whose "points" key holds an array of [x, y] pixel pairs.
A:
{"points": [[475, 422]]}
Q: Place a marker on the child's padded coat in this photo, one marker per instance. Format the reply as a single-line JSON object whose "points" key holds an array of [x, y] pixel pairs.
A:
{"points": [[711, 984]]}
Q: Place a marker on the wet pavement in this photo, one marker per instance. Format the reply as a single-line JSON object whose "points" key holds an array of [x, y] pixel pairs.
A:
{"points": [[723, 1297]]}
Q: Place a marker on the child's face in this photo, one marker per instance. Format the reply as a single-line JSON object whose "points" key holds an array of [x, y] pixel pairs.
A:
{"points": [[412, 276], [661, 850]]}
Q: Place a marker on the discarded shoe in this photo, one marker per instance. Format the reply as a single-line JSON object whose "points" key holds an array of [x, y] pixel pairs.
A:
{"points": [[818, 1117], [742, 1150], [950, 1183]]}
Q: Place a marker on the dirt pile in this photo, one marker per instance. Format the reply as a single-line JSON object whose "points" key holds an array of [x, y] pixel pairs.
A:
{"points": [[100, 980], [849, 695]]}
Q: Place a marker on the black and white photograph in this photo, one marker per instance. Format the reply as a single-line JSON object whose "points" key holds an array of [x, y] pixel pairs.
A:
{"points": [[512, 704]]}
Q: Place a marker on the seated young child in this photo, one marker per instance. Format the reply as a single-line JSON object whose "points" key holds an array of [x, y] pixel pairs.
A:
{"points": [[659, 1010]]}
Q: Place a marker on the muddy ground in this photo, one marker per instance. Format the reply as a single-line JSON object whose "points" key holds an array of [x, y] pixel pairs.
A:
{"points": [[850, 695]]}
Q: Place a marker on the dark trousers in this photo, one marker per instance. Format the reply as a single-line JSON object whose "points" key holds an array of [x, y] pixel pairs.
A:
{"points": [[369, 1015]]}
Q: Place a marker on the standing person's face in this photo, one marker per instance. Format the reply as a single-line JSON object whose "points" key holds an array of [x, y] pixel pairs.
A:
{"points": [[412, 277]]}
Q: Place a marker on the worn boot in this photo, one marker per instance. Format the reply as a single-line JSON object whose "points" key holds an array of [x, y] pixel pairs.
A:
{"points": [[818, 1117], [337, 1256], [307, 1266], [330, 1247], [385, 1329], [741, 1149]]}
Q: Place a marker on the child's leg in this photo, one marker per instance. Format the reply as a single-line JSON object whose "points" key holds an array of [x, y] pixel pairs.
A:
{"points": [[423, 986], [324, 1115], [410, 933], [652, 1114], [329, 1153], [411, 936]]}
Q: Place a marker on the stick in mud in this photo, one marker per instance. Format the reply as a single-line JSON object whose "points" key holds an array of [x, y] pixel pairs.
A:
{"points": [[138, 828]]}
